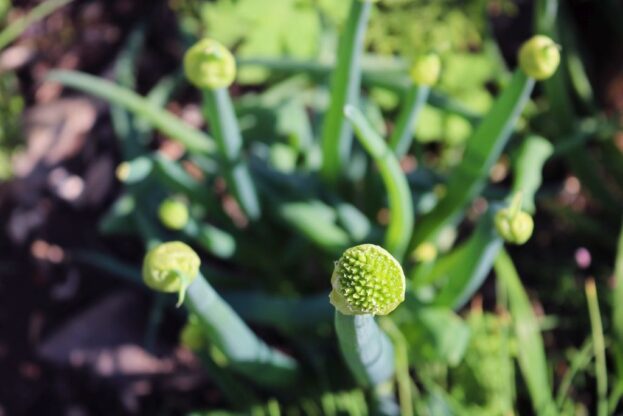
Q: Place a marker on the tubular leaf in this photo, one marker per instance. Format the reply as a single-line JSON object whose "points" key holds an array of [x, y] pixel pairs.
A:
{"points": [[398, 191], [345, 83], [167, 123]]}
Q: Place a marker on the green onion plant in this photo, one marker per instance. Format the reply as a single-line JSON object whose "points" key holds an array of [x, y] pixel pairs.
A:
{"points": [[246, 224]]}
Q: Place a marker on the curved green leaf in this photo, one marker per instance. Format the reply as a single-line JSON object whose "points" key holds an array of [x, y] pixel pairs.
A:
{"points": [[167, 123]]}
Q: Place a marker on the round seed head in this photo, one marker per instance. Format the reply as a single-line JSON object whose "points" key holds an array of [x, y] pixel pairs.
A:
{"points": [[173, 214], [208, 64], [426, 70], [539, 57], [170, 267], [367, 280]]}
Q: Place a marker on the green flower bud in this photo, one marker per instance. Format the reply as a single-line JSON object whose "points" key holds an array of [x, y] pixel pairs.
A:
{"points": [[208, 64], [425, 252], [539, 57], [367, 280], [192, 336], [426, 70], [522, 227], [171, 267], [173, 214], [513, 225]]}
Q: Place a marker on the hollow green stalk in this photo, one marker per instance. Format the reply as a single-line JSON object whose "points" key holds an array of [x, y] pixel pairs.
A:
{"points": [[402, 135], [367, 281], [366, 349], [220, 112], [369, 354], [424, 73], [174, 267], [345, 83], [247, 354], [398, 191]]}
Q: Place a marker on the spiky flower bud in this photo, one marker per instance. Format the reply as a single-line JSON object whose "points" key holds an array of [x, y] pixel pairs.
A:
{"points": [[173, 214], [426, 70], [367, 280], [539, 57], [208, 64], [171, 267]]}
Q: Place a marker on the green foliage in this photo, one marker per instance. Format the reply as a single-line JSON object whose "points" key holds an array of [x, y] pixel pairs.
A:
{"points": [[530, 350], [278, 189], [411, 27], [484, 380], [263, 29]]}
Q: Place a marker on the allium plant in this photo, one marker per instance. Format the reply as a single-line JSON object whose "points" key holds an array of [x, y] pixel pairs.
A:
{"points": [[282, 208]]}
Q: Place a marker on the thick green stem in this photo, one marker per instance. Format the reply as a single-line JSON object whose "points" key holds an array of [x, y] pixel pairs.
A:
{"points": [[246, 353], [345, 84], [220, 113], [403, 132], [369, 354]]}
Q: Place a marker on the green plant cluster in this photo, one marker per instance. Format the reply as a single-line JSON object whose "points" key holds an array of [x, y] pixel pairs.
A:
{"points": [[281, 182], [484, 381]]}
